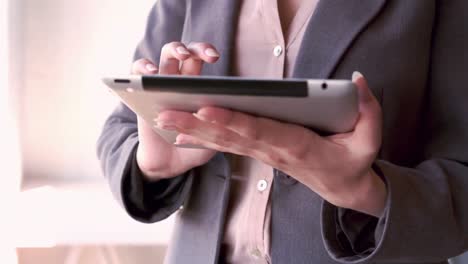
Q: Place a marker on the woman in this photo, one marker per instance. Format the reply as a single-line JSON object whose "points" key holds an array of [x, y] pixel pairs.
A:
{"points": [[391, 191]]}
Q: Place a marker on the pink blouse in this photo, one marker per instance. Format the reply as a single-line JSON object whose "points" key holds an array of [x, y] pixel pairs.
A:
{"points": [[261, 51]]}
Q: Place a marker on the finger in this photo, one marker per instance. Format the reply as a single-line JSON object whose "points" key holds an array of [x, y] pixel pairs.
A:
{"points": [[273, 141], [367, 134], [144, 66], [259, 129], [187, 123], [184, 139], [243, 124], [171, 56], [200, 53]]}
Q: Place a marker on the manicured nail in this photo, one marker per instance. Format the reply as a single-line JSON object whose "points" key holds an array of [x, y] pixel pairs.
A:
{"points": [[204, 119], [199, 117], [180, 141], [211, 52], [150, 67], [182, 50], [356, 75], [167, 127]]}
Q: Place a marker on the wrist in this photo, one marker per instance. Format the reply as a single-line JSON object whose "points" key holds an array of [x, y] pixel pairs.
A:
{"points": [[151, 173], [369, 196]]}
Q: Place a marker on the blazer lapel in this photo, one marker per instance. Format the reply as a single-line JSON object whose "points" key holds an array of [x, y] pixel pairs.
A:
{"points": [[331, 30], [215, 22]]}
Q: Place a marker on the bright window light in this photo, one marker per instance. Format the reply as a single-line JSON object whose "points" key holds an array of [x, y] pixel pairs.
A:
{"points": [[9, 151], [9, 147]]}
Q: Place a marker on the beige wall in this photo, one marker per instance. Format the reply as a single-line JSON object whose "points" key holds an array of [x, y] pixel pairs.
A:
{"points": [[62, 50]]}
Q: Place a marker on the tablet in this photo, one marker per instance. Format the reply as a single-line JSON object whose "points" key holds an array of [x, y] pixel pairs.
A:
{"points": [[326, 106]]}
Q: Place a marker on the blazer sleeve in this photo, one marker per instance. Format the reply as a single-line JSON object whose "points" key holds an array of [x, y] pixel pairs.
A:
{"points": [[116, 147], [426, 214]]}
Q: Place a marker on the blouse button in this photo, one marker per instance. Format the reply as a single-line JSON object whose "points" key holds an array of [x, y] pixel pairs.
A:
{"points": [[256, 254], [262, 185], [277, 51]]}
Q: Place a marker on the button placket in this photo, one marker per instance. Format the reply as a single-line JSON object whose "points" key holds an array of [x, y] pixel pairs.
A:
{"points": [[262, 183]]}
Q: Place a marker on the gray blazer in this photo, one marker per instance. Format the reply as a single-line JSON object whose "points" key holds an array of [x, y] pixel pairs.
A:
{"points": [[414, 54]]}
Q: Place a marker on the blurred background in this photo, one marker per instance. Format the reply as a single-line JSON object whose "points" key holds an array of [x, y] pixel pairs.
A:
{"points": [[52, 108], [56, 205]]}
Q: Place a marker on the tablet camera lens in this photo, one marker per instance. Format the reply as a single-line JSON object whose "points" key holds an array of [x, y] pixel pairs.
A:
{"points": [[324, 86]]}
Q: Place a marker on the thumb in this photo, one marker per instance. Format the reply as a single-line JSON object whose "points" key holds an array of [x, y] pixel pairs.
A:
{"points": [[365, 95], [367, 134]]}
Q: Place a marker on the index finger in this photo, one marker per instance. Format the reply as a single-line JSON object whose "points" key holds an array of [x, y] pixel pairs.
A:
{"points": [[200, 53], [172, 54]]}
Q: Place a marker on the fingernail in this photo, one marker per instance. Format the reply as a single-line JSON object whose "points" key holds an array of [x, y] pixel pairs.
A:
{"points": [[356, 75], [182, 50], [150, 67], [180, 141], [167, 127], [211, 52], [204, 119], [198, 116]]}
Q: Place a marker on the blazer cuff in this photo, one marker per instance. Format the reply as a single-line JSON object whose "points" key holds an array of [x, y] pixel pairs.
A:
{"points": [[351, 236], [151, 201]]}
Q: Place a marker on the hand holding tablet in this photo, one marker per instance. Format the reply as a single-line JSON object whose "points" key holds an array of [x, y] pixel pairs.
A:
{"points": [[329, 106], [273, 121]]}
